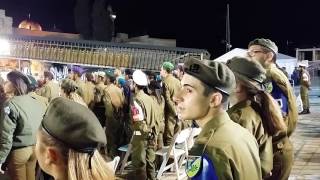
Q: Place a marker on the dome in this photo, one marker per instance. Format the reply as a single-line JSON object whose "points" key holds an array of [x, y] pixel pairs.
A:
{"points": [[31, 25]]}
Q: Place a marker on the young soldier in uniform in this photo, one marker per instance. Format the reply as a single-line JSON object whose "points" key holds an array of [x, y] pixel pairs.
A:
{"points": [[77, 72], [230, 148], [67, 142], [144, 137], [113, 100], [305, 83], [88, 91], [99, 109], [50, 89], [171, 86], [264, 51], [22, 116], [254, 109]]}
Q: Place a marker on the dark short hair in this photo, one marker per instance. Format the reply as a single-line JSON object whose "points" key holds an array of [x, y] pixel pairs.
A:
{"points": [[89, 77], [48, 74]]}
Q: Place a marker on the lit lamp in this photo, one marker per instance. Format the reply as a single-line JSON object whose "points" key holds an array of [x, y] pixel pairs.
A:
{"points": [[4, 47]]}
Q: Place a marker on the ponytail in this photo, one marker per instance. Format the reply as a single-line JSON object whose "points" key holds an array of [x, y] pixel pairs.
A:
{"points": [[268, 108], [271, 114]]}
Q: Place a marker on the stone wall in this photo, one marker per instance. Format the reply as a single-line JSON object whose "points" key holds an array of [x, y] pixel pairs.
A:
{"points": [[5, 23]]}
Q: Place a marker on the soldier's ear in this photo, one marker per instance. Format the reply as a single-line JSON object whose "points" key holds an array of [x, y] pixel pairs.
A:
{"points": [[215, 100], [270, 56]]}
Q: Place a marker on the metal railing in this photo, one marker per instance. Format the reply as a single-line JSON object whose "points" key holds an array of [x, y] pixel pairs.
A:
{"points": [[95, 53]]}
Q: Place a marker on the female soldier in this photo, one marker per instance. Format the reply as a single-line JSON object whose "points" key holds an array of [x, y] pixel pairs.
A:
{"points": [[18, 125], [155, 93], [67, 143], [68, 90], [255, 109]]}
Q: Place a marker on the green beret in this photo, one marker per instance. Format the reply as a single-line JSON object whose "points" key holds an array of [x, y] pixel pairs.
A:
{"points": [[168, 66], [212, 73], [109, 73], [73, 124], [265, 43], [247, 70]]}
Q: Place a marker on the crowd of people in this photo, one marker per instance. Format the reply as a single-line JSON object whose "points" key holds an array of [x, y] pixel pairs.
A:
{"points": [[246, 109]]}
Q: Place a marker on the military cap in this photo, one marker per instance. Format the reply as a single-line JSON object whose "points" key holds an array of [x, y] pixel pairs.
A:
{"points": [[247, 70], [78, 69], [109, 73], [265, 43], [73, 124], [168, 66], [214, 74]]}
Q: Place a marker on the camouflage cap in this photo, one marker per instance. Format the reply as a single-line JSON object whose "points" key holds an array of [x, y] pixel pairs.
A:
{"points": [[168, 66], [247, 70], [73, 124], [212, 73], [265, 43]]}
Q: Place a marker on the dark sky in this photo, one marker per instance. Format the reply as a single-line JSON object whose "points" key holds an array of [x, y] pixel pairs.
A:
{"points": [[197, 24]]}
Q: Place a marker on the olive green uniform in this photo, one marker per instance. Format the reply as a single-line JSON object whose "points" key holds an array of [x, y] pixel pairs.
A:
{"points": [[113, 100], [232, 149], [21, 120], [144, 138], [282, 147], [159, 121], [88, 93], [50, 90], [171, 86], [304, 89], [44, 101], [81, 87], [244, 114]]}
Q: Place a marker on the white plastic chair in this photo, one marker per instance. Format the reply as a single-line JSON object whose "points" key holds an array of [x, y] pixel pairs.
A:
{"points": [[127, 150], [114, 163], [178, 154], [194, 133]]}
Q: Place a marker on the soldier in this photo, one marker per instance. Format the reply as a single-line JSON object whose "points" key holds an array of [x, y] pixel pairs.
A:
{"points": [[99, 109], [231, 150], [113, 100], [32, 93], [144, 136], [21, 119], [68, 90], [67, 143], [254, 109], [305, 83], [77, 72], [88, 91], [265, 51], [171, 86], [155, 94], [50, 89]]}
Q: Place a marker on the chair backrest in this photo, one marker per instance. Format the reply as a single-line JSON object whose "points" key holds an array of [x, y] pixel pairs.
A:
{"points": [[194, 132], [114, 163], [183, 136]]}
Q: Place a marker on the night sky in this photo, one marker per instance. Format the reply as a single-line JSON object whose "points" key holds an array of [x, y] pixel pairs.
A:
{"points": [[195, 24]]}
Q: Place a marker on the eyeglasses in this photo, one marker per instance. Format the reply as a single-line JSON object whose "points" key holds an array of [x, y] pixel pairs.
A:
{"points": [[253, 52]]}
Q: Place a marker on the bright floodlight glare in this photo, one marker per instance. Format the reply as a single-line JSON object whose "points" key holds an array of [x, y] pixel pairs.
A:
{"points": [[4, 47]]}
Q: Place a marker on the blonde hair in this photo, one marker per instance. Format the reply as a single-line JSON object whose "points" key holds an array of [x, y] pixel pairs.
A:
{"points": [[78, 163]]}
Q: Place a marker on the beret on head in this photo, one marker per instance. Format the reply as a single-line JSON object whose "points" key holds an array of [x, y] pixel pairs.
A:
{"points": [[73, 124], [78, 69], [109, 73], [265, 43], [214, 74], [168, 66], [247, 70]]}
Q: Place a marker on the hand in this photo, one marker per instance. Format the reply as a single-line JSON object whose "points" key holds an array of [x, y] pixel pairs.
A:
{"points": [[1, 171]]}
